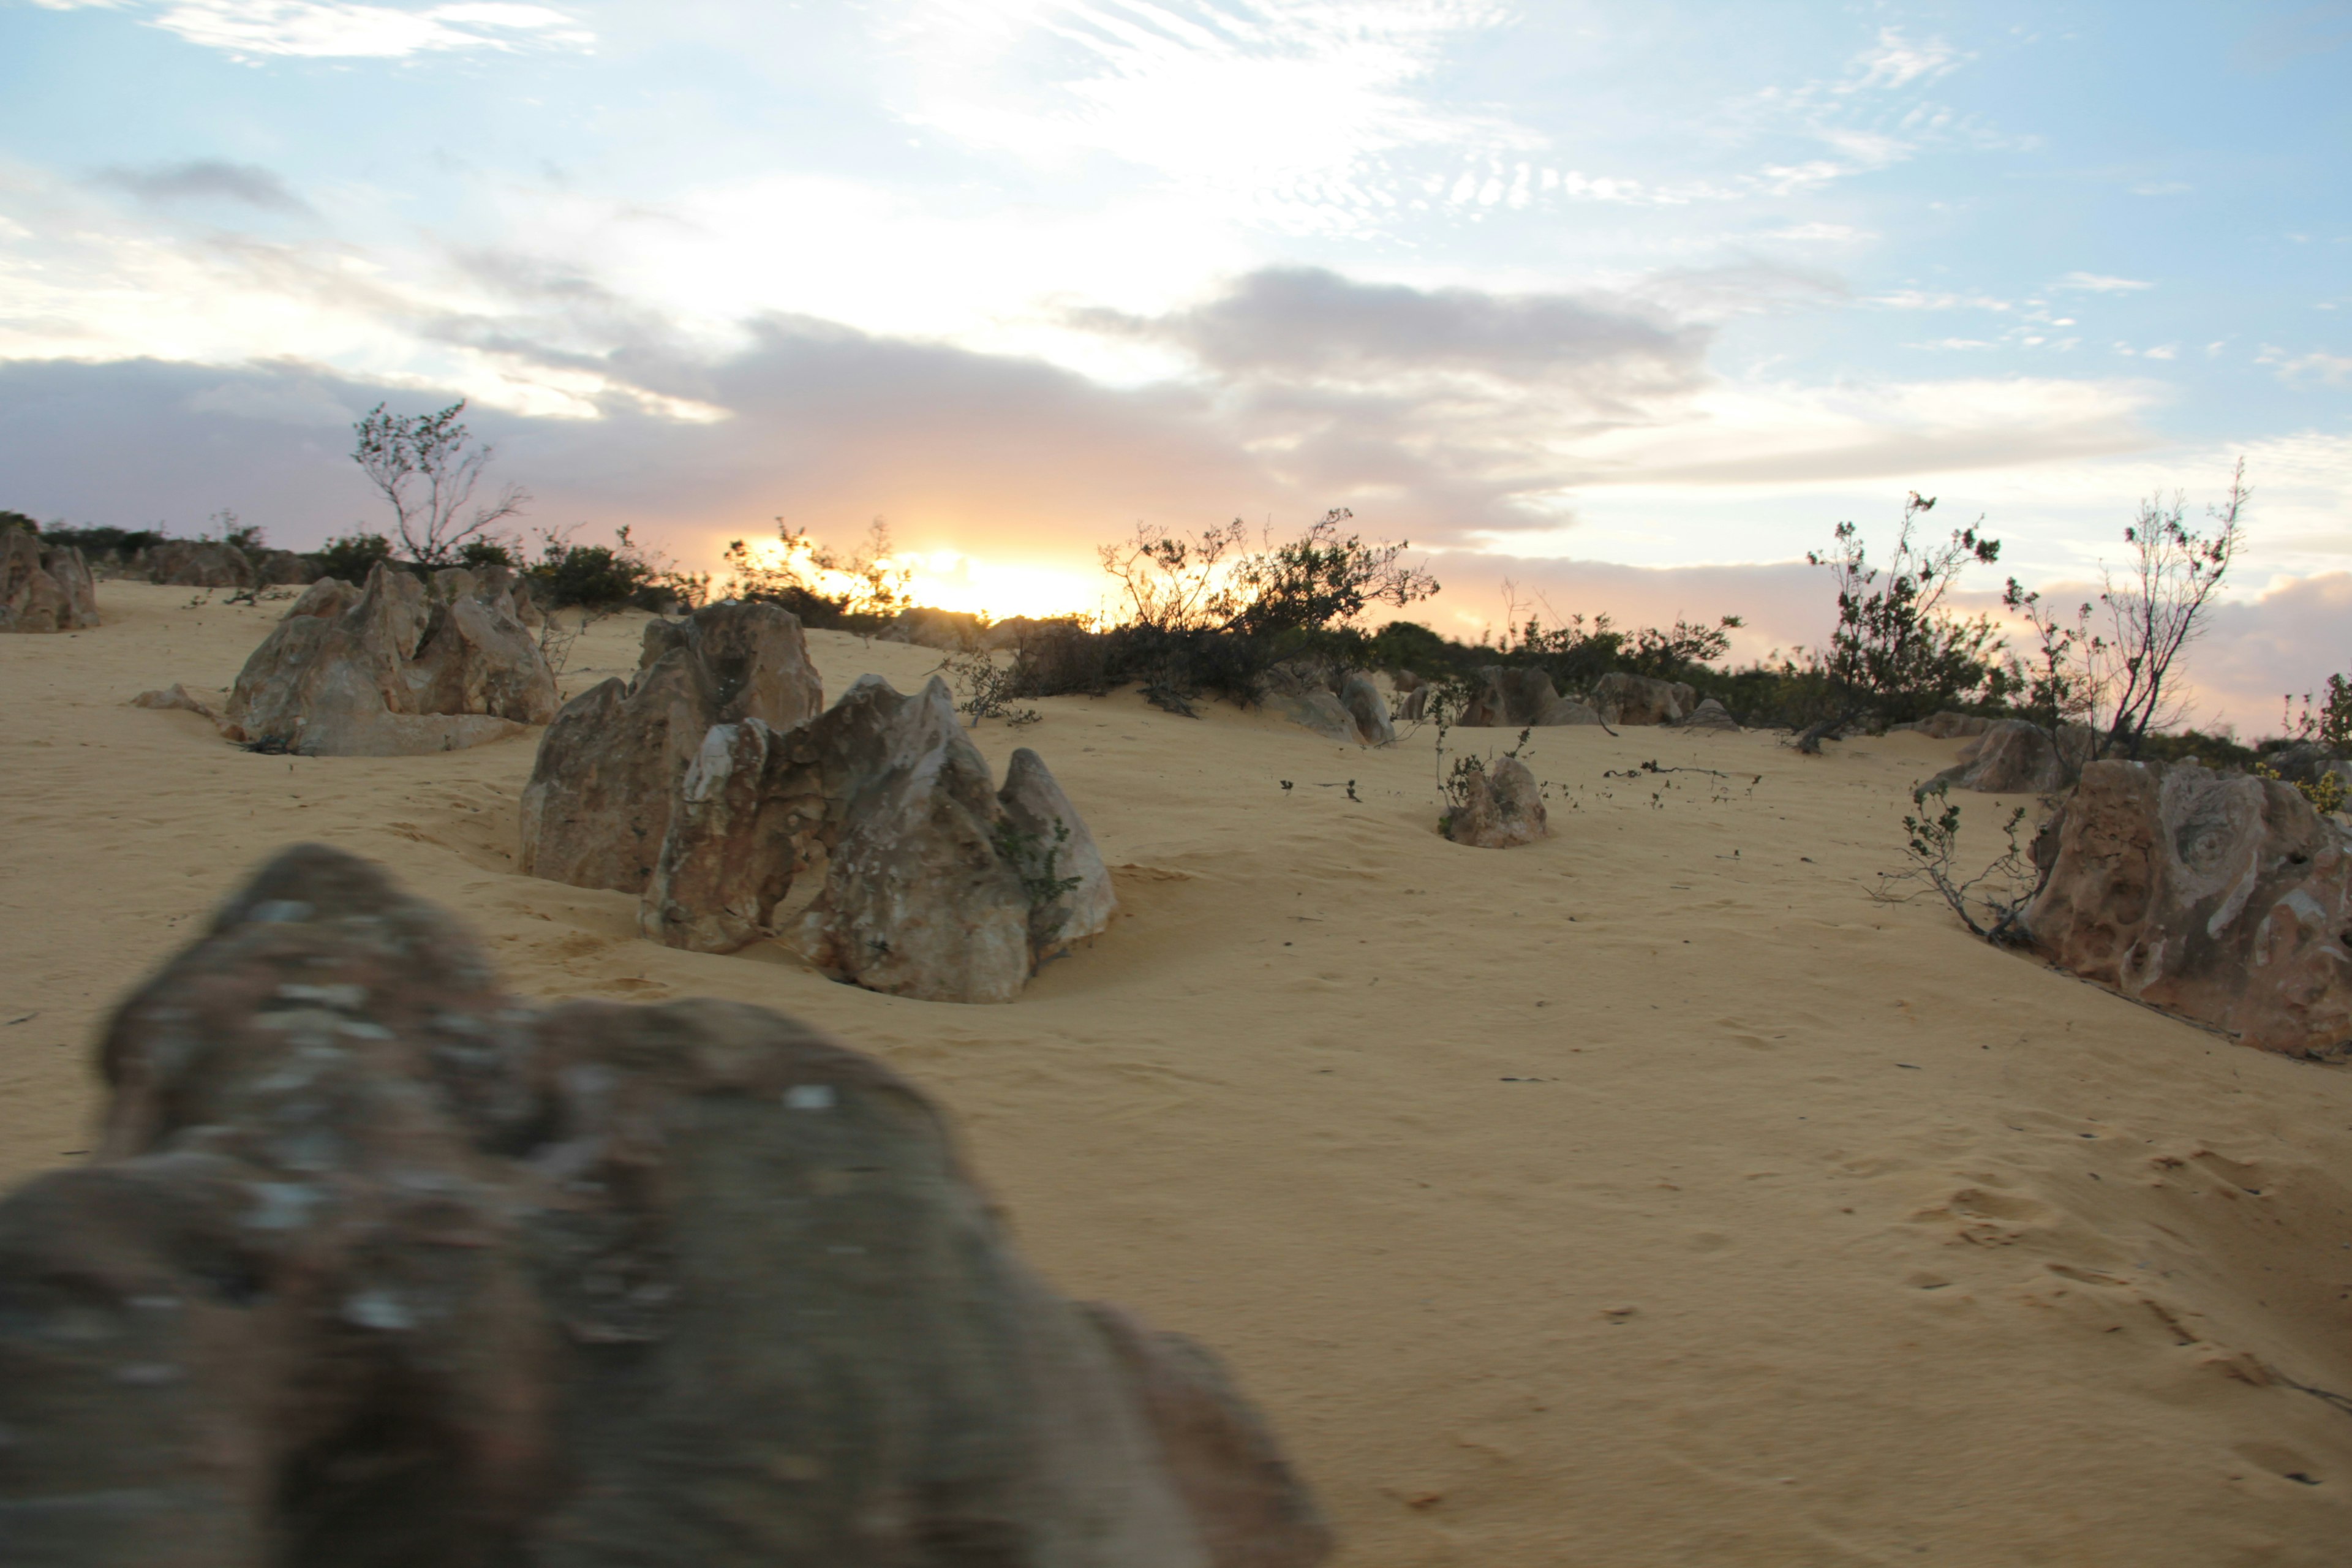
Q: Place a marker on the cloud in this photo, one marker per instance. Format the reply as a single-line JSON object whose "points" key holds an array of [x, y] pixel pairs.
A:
{"points": [[205, 179], [2299, 370], [2098, 283], [332, 29], [1307, 323]]}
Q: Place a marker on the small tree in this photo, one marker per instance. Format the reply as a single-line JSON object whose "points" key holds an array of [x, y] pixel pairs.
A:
{"points": [[1325, 577], [2157, 609], [1894, 645], [820, 586], [1173, 583], [427, 466]]}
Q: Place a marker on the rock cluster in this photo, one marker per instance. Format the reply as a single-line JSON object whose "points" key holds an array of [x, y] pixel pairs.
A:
{"points": [[1625, 699], [1501, 807], [213, 563], [1508, 699], [597, 808], [1339, 704], [398, 668], [938, 885], [377, 1265], [44, 588], [2226, 899]]}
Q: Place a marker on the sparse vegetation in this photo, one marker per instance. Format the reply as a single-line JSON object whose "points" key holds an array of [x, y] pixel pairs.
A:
{"points": [[1991, 903], [860, 592], [429, 465], [985, 689]]}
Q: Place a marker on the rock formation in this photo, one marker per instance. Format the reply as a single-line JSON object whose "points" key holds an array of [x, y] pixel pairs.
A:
{"points": [[937, 885], [285, 569], [951, 631], [598, 803], [44, 588], [2013, 756], [1508, 699], [1501, 807], [2225, 899], [199, 563], [399, 667], [1710, 715], [376, 1265], [1624, 699], [1947, 725], [1367, 708]]}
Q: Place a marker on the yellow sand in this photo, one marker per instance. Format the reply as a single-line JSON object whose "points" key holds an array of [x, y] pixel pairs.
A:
{"points": [[1649, 1195]]}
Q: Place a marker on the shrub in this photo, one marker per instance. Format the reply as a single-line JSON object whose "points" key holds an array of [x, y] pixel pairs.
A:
{"points": [[352, 556], [860, 593], [606, 578]]}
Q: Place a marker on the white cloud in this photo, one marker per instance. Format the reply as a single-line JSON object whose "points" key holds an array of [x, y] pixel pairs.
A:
{"points": [[2333, 370], [340, 29], [2098, 283]]}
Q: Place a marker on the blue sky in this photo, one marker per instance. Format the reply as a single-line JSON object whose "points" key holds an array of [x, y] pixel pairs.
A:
{"points": [[1625, 302]]}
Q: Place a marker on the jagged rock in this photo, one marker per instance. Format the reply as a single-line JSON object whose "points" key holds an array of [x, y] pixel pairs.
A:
{"points": [[283, 569], [377, 1265], [2225, 899], [1501, 807], [1367, 709], [1624, 699], [44, 588], [951, 631], [199, 563], [396, 669], [1415, 706], [936, 885], [598, 805], [1710, 715], [1050, 839], [2013, 756]]}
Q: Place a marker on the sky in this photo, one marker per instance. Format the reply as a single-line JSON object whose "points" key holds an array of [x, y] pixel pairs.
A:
{"points": [[1622, 305]]}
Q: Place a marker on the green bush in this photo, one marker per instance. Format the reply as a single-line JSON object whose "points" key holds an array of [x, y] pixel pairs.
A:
{"points": [[352, 555]]}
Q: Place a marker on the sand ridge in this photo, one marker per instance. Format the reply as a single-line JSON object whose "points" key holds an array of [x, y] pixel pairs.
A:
{"points": [[1647, 1195]]}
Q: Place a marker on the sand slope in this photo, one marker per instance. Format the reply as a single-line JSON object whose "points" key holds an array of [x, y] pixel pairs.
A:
{"points": [[1645, 1196]]}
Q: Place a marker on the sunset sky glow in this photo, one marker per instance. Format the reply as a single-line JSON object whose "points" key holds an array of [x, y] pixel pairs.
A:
{"points": [[1627, 304]]}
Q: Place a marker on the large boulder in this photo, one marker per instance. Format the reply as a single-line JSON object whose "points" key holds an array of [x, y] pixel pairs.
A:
{"points": [[396, 669], [199, 563], [598, 803], [1508, 699], [44, 588], [377, 1265], [1624, 699], [1501, 807], [2226, 899], [937, 884], [2013, 756], [1367, 709]]}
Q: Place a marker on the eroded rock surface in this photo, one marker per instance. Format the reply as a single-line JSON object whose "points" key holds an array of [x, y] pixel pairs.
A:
{"points": [[597, 807], [398, 668], [1624, 699], [937, 884], [199, 563], [44, 587], [1709, 714], [2226, 899], [1502, 808], [2013, 756], [376, 1265], [1366, 709]]}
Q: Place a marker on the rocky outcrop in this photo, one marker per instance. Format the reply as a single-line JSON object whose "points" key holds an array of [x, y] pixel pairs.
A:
{"points": [[1414, 707], [1710, 715], [44, 588], [937, 884], [2013, 756], [598, 805], [284, 569], [376, 1264], [398, 668], [199, 563], [1500, 806], [2228, 900], [1367, 709], [1508, 699], [179, 698], [1623, 698]]}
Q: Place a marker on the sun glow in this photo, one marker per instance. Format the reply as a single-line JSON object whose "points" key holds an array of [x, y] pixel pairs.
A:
{"points": [[950, 579]]}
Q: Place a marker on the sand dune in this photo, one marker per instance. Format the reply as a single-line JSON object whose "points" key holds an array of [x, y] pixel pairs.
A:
{"points": [[1647, 1195]]}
